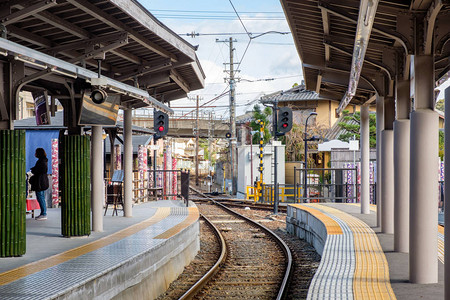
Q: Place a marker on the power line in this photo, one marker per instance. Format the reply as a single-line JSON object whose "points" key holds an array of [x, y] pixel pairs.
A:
{"points": [[240, 21]]}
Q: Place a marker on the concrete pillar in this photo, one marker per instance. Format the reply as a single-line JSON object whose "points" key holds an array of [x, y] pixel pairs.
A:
{"points": [[447, 192], [387, 167], [98, 185], [380, 127], [127, 164], [387, 181], [365, 159], [424, 175], [401, 168]]}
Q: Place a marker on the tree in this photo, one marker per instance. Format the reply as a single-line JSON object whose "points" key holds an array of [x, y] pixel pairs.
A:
{"points": [[440, 105], [262, 115], [352, 127]]}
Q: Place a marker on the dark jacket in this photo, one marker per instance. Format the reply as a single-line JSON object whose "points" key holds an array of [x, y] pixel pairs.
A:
{"points": [[39, 180]]}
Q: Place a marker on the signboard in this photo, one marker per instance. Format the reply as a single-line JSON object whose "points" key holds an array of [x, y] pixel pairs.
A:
{"points": [[353, 145], [41, 108]]}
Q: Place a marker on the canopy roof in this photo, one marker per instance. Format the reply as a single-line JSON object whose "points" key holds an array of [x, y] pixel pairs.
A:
{"points": [[337, 39], [138, 50]]}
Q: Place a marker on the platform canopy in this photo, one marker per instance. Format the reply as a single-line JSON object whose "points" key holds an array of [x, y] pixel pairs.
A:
{"points": [[61, 42], [349, 48]]}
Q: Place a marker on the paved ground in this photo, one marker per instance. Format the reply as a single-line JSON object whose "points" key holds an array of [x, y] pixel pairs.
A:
{"points": [[398, 263], [44, 238]]}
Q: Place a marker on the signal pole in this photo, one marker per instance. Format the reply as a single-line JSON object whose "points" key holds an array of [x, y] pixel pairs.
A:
{"points": [[197, 134]]}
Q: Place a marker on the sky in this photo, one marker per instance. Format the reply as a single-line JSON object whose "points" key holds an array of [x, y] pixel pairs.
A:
{"points": [[270, 64]]}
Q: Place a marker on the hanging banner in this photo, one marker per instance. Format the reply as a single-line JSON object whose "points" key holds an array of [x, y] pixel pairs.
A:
{"points": [[165, 174], [41, 108], [118, 157], [55, 173], [174, 180]]}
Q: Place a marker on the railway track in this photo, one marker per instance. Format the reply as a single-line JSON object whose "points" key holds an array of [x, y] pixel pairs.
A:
{"points": [[258, 263], [305, 259]]}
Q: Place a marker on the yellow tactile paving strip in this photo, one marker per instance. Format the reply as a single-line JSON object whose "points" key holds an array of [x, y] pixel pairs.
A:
{"points": [[371, 278], [31, 268], [331, 225], [191, 218]]}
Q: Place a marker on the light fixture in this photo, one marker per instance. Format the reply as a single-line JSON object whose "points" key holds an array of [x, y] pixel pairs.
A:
{"points": [[64, 72], [31, 61], [98, 96]]}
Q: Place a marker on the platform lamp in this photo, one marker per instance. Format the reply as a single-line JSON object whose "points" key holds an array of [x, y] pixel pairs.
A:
{"points": [[306, 154]]}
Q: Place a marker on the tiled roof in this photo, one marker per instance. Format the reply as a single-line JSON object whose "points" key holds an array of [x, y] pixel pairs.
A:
{"points": [[298, 93]]}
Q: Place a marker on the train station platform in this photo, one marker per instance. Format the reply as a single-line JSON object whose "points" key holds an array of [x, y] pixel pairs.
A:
{"points": [[133, 257], [358, 261]]}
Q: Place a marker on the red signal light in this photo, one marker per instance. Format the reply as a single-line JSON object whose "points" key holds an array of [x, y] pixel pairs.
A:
{"points": [[161, 128], [284, 125]]}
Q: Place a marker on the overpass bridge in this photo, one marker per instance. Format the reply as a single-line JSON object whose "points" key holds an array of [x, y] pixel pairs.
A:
{"points": [[184, 125]]}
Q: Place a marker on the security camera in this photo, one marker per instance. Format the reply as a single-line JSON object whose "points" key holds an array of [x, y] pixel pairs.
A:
{"points": [[98, 96]]}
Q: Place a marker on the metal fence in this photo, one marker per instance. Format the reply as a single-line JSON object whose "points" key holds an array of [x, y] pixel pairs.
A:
{"points": [[322, 185]]}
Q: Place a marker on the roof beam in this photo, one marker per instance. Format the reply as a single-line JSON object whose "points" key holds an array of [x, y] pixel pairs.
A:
{"points": [[81, 33], [108, 38], [27, 11], [376, 64], [326, 32], [386, 32], [145, 69], [43, 42], [113, 22], [155, 79], [430, 20], [104, 49], [179, 80]]}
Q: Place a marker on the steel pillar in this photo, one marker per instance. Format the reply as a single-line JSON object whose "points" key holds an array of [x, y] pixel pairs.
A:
{"points": [[401, 168], [365, 159], [380, 127], [424, 175], [98, 186], [447, 192], [127, 164]]}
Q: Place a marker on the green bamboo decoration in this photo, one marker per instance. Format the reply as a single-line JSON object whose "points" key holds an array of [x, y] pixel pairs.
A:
{"points": [[12, 193], [75, 180]]}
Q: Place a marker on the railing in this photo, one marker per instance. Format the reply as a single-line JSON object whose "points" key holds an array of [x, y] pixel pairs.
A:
{"points": [[323, 185]]}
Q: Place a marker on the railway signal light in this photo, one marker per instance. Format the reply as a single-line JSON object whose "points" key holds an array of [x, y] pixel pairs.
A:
{"points": [[228, 135], [284, 123], [160, 123]]}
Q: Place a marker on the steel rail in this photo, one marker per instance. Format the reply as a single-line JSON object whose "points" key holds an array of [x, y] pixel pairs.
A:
{"points": [[214, 269], [287, 252]]}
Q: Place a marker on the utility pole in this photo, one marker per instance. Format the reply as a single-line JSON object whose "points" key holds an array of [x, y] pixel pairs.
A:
{"points": [[209, 151], [197, 134], [233, 143], [233, 140]]}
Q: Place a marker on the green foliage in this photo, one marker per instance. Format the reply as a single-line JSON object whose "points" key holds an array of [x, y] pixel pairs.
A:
{"points": [[440, 105], [203, 143], [262, 115], [441, 144], [353, 129]]}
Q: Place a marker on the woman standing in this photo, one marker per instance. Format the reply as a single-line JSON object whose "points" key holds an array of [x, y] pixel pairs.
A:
{"points": [[39, 181]]}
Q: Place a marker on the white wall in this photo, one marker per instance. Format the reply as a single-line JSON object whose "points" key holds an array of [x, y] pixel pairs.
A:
{"points": [[244, 166]]}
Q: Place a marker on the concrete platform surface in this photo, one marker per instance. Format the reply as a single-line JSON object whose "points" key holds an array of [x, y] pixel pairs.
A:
{"points": [[398, 262], [133, 257]]}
